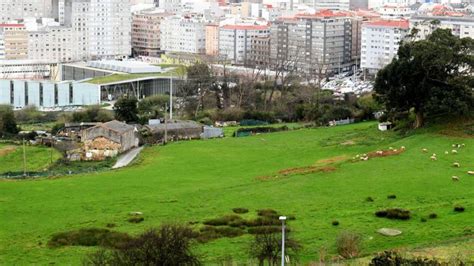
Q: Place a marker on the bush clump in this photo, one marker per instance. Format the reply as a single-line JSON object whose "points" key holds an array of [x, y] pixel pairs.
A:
{"points": [[459, 208], [224, 220], [395, 213], [262, 221], [433, 216], [209, 233], [423, 220], [369, 199], [136, 219], [110, 225], [393, 258], [268, 213], [89, 237], [240, 210], [265, 230], [348, 244], [392, 196], [335, 223]]}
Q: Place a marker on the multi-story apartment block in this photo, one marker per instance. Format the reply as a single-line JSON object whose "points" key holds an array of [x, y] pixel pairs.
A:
{"points": [[56, 44], [310, 43], [102, 27], [331, 4], [19, 9], [146, 32], [259, 55], [235, 41], [459, 26], [184, 34], [380, 42], [212, 39], [14, 38]]}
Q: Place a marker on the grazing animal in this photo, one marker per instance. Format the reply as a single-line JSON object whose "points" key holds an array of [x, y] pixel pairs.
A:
{"points": [[357, 156], [456, 164], [402, 147], [434, 154], [470, 172], [454, 151], [463, 145], [433, 158], [424, 150], [455, 178], [390, 148], [454, 145], [379, 152], [446, 152], [365, 158]]}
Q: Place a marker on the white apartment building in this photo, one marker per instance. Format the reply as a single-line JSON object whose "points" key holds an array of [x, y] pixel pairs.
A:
{"points": [[52, 43], [184, 34], [395, 11], [20, 9], [331, 4], [102, 27], [459, 26], [235, 41], [380, 42], [2, 45]]}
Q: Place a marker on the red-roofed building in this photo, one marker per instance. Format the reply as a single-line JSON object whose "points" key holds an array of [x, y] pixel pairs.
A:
{"points": [[380, 42], [235, 41]]}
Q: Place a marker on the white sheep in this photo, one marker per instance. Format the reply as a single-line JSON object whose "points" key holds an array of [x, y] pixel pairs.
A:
{"points": [[365, 158], [424, 150], [454, 145], [470, 172], [434, 155], [390, 148], [463, 145], [455, 178], [454, 151], [379, 152], [446, 152], [433, 158], [402, 147], [456, 164]]}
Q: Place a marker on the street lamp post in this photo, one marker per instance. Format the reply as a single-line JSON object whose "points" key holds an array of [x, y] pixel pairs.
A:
{"points": [[282, 219]]}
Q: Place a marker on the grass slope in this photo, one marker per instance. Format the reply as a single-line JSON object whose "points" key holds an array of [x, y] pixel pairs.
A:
{"points": [[197, 180], [37, 158]]}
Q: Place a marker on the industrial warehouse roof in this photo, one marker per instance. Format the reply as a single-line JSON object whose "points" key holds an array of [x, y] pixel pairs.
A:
{"points": [[131, 67]]}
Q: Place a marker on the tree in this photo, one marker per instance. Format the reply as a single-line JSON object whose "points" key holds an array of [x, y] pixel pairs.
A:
{"points": [[8, 126], [267, 247], [168, 245], [126, 109], [429, 77]]}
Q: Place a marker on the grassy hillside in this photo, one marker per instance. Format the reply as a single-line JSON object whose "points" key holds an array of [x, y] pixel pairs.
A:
{"points": [[37, 158], [197, 180]]}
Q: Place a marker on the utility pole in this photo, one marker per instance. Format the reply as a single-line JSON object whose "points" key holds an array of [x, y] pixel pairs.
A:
{"points": [[166, 130], [24, 158], [282, 219], [171, 98]]}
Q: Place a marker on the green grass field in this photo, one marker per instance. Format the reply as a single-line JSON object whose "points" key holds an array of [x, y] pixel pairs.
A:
{"points": [[37, 158], [197, 180]]}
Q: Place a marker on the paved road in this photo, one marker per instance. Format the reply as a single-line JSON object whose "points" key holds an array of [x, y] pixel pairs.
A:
{"points": [[126, 158]]}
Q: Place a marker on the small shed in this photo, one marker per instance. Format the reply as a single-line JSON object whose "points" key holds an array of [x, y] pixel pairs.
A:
{"points": [[176, 130], [108, 139]]}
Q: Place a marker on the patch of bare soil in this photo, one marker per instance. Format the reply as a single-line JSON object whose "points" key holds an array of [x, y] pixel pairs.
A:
{"points": [[7, 150]]}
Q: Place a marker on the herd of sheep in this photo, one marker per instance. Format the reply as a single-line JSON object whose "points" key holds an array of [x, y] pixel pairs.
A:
{"points": [[454, 151]]}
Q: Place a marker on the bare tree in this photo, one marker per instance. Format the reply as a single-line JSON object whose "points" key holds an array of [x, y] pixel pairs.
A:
{"points": [[266, 247]]}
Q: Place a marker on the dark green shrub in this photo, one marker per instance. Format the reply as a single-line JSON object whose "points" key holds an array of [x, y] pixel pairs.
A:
{"points": [[369, 199], [88, 237], [265, 230], [392, 196], [459, 208], [224, 220], [423, 220], [395, 213], [291, 218], [262, 221], [240, 210], [335, 223], [267, 213], [433, 216], [136, 219], [110, 225], [209, 233], [391, 258]]}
